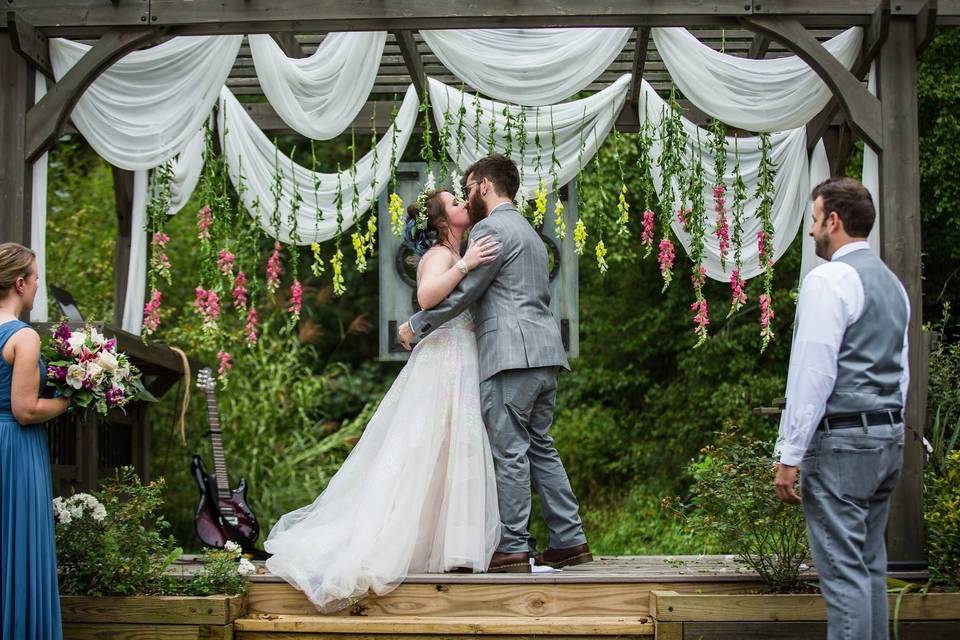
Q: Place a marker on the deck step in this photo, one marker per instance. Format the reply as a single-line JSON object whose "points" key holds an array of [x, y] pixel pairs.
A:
{"points": [[452, 626]]}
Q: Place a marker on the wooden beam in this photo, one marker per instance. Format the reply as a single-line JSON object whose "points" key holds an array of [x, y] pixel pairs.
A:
{"points": [[45, 119], [30, 43], [639, 60], [759, 46], [411, 57], [84, 18], [901, 250], [926, 24], [288, 42], [123, 196], [263, 16], [862, 109], [874, 37], [16, 176]]}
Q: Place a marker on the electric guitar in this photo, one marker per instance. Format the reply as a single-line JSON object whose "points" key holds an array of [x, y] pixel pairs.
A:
{"points": [[222, 514]]}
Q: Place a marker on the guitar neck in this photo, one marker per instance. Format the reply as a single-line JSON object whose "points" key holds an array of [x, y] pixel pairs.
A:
{"points": [[219, 461]]}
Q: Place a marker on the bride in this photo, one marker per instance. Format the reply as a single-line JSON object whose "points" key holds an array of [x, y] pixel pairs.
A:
{"points": [[417, 493]]}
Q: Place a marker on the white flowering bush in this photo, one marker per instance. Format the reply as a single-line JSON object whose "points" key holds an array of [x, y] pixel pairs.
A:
{"points": [[223, 572], [66, 510], [114, 542]]}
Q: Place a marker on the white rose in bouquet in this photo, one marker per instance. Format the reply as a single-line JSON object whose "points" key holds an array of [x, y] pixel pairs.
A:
{"points": [[97, 338], [75, 375], [94, 370], [76, 341], [108, 361]]}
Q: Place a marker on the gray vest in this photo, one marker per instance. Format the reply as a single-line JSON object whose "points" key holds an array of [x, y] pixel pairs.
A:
{"points": [[868, 365]]}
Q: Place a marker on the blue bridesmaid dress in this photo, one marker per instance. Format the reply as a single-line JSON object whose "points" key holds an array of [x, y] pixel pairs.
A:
{"points": [[29, 596]]}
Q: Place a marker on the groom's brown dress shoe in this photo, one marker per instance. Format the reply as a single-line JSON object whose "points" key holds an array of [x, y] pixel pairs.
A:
{"points": [[568, 557], [509, 563]]}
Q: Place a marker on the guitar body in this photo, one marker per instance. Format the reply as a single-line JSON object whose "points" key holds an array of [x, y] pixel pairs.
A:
{"points": [[219, 520]]}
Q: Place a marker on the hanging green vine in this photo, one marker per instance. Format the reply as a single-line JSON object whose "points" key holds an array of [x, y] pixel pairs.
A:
{"points": [[764, 191], [580, 230], [559, 223], [644, 162], [696, 226], [738, 292], [316, 264]]}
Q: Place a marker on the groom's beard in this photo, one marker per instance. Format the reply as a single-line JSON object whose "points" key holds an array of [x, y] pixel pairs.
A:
{"points": [[476, 207]]}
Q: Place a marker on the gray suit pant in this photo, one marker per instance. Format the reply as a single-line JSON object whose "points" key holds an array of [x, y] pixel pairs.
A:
{"points": [[517, 407], [847, 476]]}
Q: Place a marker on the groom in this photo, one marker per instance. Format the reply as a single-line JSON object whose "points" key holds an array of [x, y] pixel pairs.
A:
{"points": [[521, 354]]}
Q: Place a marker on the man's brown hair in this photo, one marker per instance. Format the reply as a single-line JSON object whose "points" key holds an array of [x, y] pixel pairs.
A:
{"points": [[852, 202], [498, 169]]}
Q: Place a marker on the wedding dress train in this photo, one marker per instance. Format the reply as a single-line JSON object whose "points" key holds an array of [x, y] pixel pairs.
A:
{"points": [[416, 494]]}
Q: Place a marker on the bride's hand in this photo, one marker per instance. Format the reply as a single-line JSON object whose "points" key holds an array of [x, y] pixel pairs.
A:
{"points": [[480, 251]]}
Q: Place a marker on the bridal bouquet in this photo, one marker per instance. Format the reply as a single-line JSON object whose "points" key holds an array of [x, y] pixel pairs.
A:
{"points": [[87, 368]]}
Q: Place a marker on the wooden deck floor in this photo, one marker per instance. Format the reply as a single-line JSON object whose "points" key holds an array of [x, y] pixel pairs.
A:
{"points": [[604, 569], [605, 599]]}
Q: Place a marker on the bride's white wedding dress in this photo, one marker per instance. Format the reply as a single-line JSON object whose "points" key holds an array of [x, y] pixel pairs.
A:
{"points": [[416, 494]]}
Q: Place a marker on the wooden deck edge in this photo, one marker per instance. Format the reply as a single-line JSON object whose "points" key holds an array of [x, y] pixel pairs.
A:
{"points": [[200, 610], [121, 631], [669, 606], [398, 625]]}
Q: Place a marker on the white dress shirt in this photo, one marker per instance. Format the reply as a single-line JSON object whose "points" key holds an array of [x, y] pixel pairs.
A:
{"points": [[831, 299]]}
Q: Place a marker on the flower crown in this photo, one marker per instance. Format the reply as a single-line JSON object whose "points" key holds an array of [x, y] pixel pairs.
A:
{"points": [[429, 186]]}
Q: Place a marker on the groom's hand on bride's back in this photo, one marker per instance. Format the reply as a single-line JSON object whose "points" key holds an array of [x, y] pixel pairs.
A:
{"points": [[405, 335]]}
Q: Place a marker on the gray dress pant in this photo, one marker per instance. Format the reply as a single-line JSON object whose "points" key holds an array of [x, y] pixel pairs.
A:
{"points": [[847, 476], [517, 407]]}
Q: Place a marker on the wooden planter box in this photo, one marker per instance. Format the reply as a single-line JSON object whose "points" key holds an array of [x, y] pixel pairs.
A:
{"points": [[934, 616], [154, 617]]}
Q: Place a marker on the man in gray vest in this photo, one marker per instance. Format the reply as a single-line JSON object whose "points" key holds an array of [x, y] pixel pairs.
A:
{"points": [[521, 354], [843, 421]]}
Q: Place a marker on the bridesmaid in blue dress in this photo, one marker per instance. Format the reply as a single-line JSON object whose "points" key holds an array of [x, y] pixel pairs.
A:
{"points": [[29, 598]]}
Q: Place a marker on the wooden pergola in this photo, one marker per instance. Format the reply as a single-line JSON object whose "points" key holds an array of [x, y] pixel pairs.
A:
{"points": [[894, 33]]}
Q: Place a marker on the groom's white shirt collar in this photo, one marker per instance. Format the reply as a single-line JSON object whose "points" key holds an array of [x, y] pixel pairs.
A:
{"points": [[502, 204], [850, 248]]}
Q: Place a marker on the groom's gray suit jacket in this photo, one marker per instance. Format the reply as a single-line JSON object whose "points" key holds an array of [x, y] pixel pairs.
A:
{"points": [[515, 327]]}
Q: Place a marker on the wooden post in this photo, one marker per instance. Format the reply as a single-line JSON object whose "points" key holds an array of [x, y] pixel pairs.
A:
{"points": [[16, 175], [901, 250], [123, 193]]}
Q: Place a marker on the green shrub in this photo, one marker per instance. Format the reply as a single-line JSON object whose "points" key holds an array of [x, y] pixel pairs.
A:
{"points": [[943, 522], [114, 543], [735, 502]]}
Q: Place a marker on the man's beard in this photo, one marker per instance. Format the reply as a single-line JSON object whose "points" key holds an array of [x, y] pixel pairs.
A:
{"points": [[821, 243], [476, 207]]}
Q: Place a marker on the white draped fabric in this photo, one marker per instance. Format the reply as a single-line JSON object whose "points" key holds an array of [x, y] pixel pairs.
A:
{"points": [[791, 188], [186, 170], [593, 116], [319, 96], [248, 151], [527, 66], [137, 269], [38, 219], [143, 109], [871, 170], [755, 95]]}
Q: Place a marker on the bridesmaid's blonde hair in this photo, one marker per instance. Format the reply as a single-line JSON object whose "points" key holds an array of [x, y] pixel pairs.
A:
{"points": [[16, 261]]}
